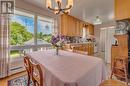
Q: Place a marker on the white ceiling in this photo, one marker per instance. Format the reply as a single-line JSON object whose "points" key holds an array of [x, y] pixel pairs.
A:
{"points": [[87, 10]]}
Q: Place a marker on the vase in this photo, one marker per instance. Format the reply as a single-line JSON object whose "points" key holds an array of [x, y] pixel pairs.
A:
{"points": [[57, 50]]}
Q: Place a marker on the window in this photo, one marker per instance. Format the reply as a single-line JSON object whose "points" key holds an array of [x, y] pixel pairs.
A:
{"points": [[22, 29], [23, 33], [45, 30], [28, 32]]}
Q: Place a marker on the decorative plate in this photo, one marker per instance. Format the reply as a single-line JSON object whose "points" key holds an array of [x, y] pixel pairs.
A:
{"points": [[122, 25]]}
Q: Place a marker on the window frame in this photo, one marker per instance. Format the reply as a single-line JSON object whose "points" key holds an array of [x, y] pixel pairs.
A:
{"points": [[35, 29], [35, 46]]}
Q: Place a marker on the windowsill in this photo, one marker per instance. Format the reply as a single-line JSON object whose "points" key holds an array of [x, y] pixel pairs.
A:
{"points": [[12, 60]]}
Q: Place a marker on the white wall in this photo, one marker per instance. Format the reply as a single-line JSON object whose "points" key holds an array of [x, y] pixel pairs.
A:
{"points": [[25, 6], [33, 8]]}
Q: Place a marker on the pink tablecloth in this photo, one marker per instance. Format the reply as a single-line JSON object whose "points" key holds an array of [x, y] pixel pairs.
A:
{"points": [[70, 69]]}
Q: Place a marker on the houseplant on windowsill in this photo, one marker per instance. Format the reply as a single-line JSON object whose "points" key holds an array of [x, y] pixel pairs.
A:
{"points": [[57, 41]]}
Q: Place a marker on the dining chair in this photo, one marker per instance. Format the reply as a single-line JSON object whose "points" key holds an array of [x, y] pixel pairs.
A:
{"points": [[28, 68], [120, 68], [36, 74], [111, 82]]}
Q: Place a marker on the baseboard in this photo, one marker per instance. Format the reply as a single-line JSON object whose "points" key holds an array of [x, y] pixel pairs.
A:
{"points": [[16, 70]]}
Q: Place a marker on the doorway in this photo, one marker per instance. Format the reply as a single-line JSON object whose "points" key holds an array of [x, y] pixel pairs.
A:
{"points": [[106, 41]]}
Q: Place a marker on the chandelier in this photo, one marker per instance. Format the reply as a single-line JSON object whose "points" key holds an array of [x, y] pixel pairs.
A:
{"points": [[58, 9]]}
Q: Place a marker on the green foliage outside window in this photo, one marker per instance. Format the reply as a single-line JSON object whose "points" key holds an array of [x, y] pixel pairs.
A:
{"points": [[45, 37], [19, 34]]}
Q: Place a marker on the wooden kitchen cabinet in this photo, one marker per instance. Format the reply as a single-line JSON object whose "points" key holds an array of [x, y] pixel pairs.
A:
{"points": [[71, 26], [68, 22], [68, 25], [81, 28], [64, 25], [90, 29], [122, 9], [78, 29], [88, 48], [83, 47]]}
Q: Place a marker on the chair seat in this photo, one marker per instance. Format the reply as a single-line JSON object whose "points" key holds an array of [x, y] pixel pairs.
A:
{"points": [[112, 83]]}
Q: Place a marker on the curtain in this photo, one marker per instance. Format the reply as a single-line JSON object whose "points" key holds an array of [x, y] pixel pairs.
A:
{"points": [[4, 45]]}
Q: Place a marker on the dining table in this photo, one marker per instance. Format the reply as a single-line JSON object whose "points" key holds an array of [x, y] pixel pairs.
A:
{"points": [[69, 69]]}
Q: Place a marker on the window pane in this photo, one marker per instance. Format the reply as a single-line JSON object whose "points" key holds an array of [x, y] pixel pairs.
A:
{"points": [[45, 30], [14, 53], [22, 30]]}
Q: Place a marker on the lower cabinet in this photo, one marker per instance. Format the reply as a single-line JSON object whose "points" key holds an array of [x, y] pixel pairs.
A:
{"points": [[87, 48]]}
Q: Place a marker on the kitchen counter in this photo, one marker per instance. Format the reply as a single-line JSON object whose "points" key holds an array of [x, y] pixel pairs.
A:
{"points": [[79, 43]]}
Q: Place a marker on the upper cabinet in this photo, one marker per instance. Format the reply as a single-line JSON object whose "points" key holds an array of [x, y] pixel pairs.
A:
{"points": [[122, 9], [71, 26], [90, 29]]}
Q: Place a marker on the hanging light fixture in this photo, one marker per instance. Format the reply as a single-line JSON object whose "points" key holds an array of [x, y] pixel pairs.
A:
{"points": [[97, 21], [59, 9]]}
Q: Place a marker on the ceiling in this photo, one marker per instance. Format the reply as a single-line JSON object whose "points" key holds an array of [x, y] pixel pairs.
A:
{"points": [[86, 10]]}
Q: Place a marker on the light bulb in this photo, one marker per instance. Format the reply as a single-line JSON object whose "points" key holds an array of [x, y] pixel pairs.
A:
{"points": [[56, 10], [48, 3], [70, 2], [68, 11]]}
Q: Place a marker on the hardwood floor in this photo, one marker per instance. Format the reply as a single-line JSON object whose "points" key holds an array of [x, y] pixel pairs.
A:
{"points": [[4, 81]]}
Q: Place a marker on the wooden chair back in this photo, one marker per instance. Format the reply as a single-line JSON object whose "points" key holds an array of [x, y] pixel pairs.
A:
{"points": [[27, 64], [36, 73], [28, 68]]}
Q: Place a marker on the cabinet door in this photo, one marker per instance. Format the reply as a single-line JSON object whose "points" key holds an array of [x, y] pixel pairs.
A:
{"points": [[70, 26], [78, 28], [122, 9], [74, 32], [64, 26], [81, 28], [90, 29]]}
